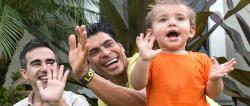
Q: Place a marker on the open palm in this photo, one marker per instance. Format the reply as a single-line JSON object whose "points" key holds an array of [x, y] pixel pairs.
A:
{"points": [[220, 70], [53, 91], [145, 46], [78, 52]]}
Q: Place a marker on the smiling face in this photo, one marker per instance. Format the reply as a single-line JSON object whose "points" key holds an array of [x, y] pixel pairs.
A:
{"points": [[171, 26], [106, 56], [37, 61]]}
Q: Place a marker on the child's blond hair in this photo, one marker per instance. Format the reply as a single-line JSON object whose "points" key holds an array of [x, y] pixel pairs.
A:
{"points": [[150, 15]]}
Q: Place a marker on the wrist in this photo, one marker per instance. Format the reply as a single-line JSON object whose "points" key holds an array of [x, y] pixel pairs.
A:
{"points": [[218, 81], [81, 73], [87, 76]]}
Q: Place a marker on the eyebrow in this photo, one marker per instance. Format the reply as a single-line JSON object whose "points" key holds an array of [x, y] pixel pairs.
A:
{"points": [[37, 60], [109, 40]]}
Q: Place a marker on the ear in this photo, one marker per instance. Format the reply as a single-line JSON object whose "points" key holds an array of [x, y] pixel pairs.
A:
{"points": [[192, 31], [120, 45], [24, 73]]}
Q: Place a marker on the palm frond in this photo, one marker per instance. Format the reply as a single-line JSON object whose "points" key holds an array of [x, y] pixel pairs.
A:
{"points": [[11, 30]]}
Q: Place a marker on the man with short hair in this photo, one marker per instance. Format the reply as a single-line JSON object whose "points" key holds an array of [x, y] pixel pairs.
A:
{"points": [[39, 68], [107, 58]]}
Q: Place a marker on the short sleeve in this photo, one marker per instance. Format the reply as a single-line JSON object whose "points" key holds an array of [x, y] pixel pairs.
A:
{"points": [[207, 67]]}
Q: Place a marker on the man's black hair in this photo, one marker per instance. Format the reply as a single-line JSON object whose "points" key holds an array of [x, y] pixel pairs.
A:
{"points": [[100, 27]]}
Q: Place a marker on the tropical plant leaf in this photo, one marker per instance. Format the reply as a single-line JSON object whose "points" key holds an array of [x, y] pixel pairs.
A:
{"points": [[116, 21], [243, 24], [201, 22], [231, 89], [242, 76], [208, 5], [238, 7], [198, 42], [13, 91], [235, 37], [11, 30]]}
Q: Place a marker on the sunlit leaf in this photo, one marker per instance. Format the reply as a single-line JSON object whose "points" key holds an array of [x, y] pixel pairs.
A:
{"points": [[238, 7]]}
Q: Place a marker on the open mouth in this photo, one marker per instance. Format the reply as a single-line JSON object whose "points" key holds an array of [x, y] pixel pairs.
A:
{"points": [[43, 77], [110, 62], [172, 33]]}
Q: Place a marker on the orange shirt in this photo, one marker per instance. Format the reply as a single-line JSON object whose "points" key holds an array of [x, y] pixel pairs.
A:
{"points": [[178, 80]]}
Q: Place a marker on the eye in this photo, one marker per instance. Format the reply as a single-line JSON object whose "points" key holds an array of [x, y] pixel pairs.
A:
{"points": [[51, 62], [108, 44], [94, 52], [181, 18], [163, 20], [35, 64]]}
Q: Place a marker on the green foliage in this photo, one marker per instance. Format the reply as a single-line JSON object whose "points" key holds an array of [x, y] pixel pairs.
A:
{"points": [[4, 101], [5, 92]]}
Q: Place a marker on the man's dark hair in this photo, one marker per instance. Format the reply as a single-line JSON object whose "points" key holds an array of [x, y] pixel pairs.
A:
{"points": [[32, 44], [100, 27]]}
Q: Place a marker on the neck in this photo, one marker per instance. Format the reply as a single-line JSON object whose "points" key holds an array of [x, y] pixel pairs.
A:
{"points": [[179, 51], [121, 79]]}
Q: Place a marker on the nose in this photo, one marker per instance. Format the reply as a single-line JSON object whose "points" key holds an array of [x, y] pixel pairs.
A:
{"points": [[44, 67], [172, 23], [105, 52]]}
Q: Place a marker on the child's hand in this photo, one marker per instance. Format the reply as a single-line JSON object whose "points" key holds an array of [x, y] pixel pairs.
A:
{"points": [[145, 46], [220, 70]]}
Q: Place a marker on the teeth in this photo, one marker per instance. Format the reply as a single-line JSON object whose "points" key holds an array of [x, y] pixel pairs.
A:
{"points": [[43, 78], [111, 61]]}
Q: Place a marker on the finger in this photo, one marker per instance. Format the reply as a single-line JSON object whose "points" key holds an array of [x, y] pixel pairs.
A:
{"points": [[227, 69], [39, 85], [60, 72], [146, 39], [83, 39], [151, 42], [86, 51], [49, 73], [81, 34], [214, 61], [64, 79], [232, 62], [158, 51], [224, 75], [55, 71], [72, 42], [139, 40], [82, 28], [78, 32]]}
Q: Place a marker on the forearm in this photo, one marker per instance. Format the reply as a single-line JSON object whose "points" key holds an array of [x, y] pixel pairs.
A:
{"points": [[214, 88], [115, 95], [139, 76]]}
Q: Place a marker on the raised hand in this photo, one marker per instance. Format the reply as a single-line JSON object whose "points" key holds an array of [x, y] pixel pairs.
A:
{"points": [[220, 70], [145, 46], [78, 52], [53, 91]]}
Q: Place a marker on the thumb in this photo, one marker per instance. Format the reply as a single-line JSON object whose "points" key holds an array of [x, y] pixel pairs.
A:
{"points": [[39, 85], [214, 61], [158, 51]]}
